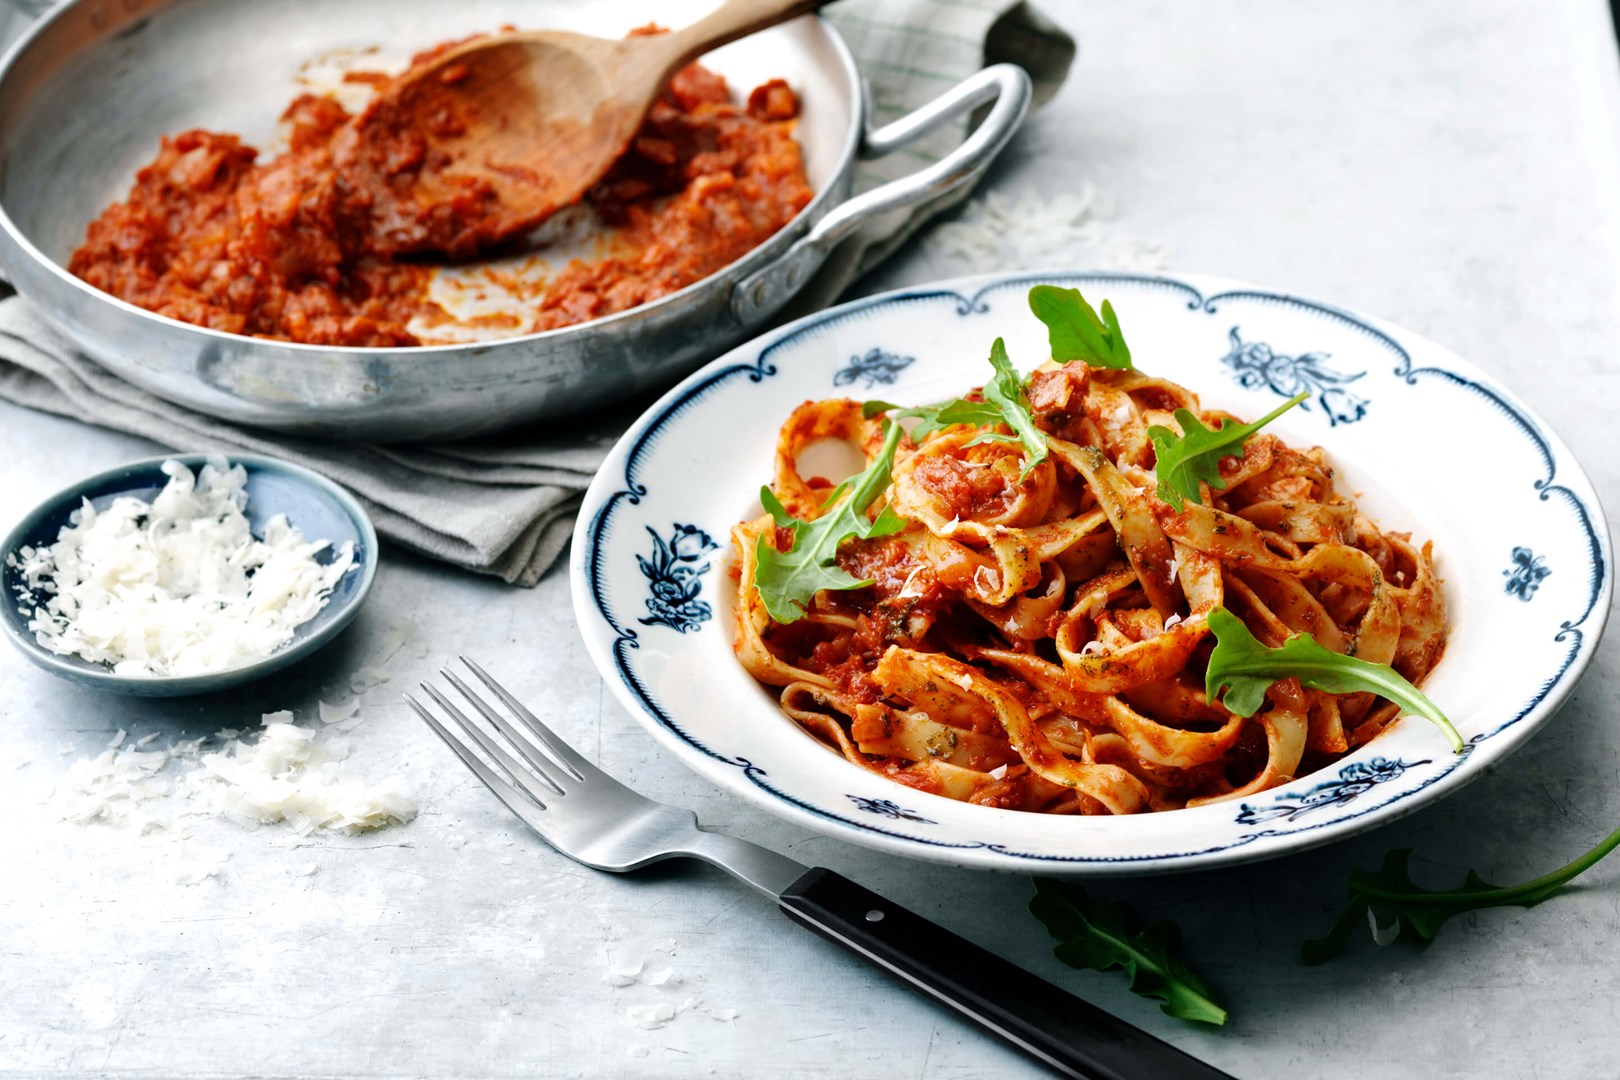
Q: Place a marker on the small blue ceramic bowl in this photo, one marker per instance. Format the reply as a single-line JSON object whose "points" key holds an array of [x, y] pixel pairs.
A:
{"points": [[321, 509]]}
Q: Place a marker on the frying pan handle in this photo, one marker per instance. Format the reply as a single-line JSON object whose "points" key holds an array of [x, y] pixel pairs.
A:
{"points": [[1005, 84]]}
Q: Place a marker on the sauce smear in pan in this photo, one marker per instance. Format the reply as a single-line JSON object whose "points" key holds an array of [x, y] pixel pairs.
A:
{"points": [[283, 249]]}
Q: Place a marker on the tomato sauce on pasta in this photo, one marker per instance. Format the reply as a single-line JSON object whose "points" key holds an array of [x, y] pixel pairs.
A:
{"points": [[1036, 640]]}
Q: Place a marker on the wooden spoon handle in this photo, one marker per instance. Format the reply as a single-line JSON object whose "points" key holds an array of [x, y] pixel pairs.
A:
{"points": [[734, 20]]}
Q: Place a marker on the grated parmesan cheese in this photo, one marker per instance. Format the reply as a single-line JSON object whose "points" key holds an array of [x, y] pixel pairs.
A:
{"points": [[651, 1016], [624, 973], [114, 787], [365, 678], [332, 714], [177, 586], [195, 874], [1383, 935], [905, 589], [283, 775]]}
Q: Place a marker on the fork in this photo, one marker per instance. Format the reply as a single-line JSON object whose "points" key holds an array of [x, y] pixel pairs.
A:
{"points": [[592, 818]]}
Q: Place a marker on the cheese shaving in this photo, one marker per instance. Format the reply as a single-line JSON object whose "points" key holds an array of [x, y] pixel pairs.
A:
{"points": [[332, 714], [179, 585], [285, 774], [1383, 935], [365, 678], [651, 1016], [113, 787]]}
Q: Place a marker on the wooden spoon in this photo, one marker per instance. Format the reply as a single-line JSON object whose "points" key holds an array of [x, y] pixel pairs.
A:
{"points": [[490, 138]]}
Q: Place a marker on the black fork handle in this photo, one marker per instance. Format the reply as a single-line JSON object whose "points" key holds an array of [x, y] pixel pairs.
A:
{"points": [[1064, 1033]]}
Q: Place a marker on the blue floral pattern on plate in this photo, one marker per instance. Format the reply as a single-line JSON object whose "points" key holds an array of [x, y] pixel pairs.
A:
{"points": [[1524, 577], [676, 578], [877, 366], [1254, 365], [888, 808], [1355, 780]]}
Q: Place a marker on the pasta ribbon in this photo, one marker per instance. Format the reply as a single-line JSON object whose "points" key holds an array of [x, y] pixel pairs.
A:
{"points": [[1035, 636]]}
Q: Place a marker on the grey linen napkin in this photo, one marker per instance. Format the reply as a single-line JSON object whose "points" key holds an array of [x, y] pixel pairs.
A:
{"points": [[506, 506]]}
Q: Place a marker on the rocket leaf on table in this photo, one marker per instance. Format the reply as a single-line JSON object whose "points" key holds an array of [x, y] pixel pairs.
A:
{"points": [[1196, 454], [1244, 668], [1103, 936], [1390, 893], [787, 581]]}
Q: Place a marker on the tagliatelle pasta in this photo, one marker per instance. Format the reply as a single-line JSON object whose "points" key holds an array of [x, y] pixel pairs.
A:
{"points": [[1034, 635]]}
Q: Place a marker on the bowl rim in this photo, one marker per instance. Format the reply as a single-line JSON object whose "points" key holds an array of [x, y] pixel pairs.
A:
{"points": [[79, 670], [773, 246], [618, 483]]}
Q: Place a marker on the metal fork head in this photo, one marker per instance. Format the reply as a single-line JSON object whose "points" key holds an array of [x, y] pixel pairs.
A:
{"points": [[574, 806]]}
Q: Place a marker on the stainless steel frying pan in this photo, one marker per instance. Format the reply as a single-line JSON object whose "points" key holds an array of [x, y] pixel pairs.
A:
{"points": [[86, 93]]}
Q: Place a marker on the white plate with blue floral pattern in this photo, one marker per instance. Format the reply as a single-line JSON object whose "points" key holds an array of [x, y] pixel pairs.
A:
{"points": [[1520, 543]]}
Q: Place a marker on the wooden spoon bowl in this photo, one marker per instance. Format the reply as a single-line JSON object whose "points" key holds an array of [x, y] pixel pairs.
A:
{"points": [[487, 140]]}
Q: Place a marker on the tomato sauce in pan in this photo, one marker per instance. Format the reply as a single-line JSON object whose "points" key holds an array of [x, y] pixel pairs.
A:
{"points": [[282, 249]]}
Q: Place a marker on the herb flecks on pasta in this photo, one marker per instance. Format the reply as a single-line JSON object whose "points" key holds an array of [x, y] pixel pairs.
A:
{"points": [[1013, 603]]}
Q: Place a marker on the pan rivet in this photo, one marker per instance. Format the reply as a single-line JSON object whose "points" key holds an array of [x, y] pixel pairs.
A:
{"points": [[875, 915]]}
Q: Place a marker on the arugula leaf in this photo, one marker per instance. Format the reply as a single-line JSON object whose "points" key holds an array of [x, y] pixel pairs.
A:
{"points": [[1076, 332], [1419, 911], [1196, 454], [787, 581], [939, 416], [1102, 936], [1004, 403], [1245, 668], [1005, 393]]}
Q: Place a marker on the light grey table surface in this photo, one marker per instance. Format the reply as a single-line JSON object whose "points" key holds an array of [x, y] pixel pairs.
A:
{"points": [[1454, 168]]}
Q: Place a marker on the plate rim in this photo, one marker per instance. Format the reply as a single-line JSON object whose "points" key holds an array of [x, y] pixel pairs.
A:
{"points": [[616, 481]]}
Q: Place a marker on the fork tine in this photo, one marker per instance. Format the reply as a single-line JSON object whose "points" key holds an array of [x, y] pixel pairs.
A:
{"points": [[565, 755], [515, 771], [543, 763], [511, 796]]}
